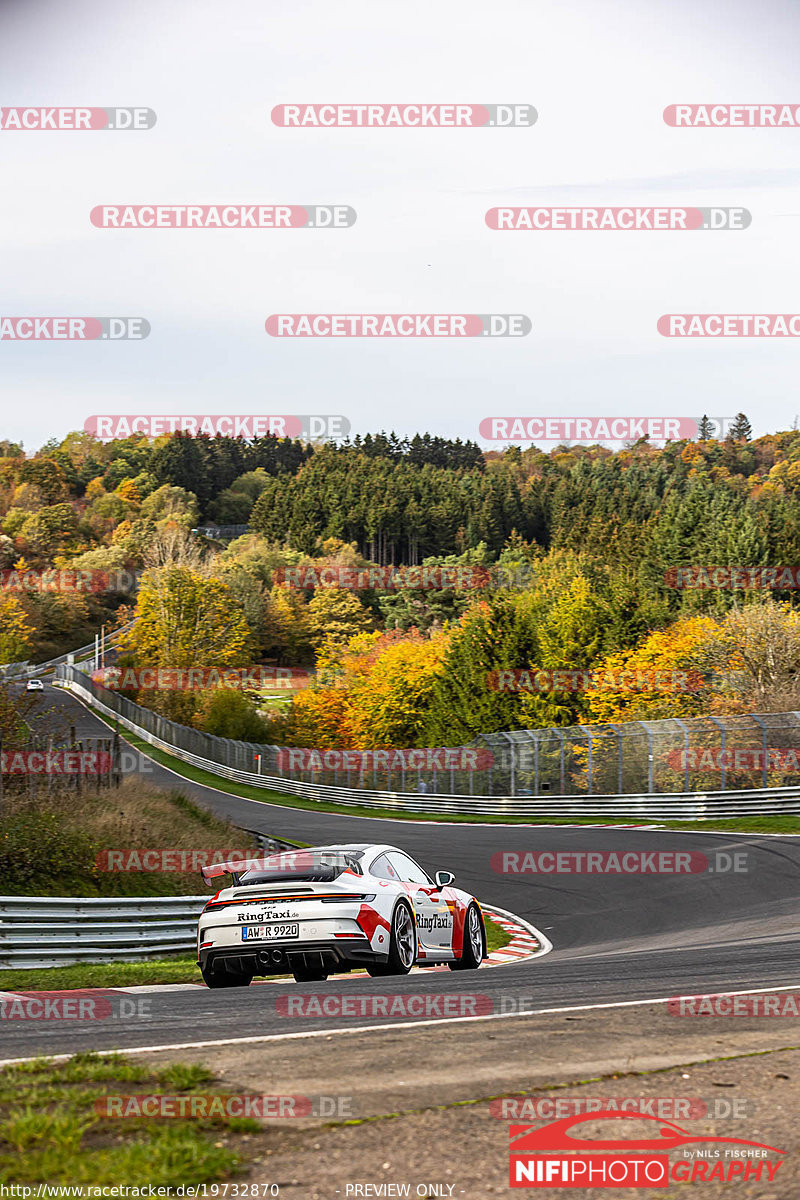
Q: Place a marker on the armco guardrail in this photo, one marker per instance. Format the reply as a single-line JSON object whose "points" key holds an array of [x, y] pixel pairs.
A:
{"points": [[38, 931], [641, 808], [27, 670]]}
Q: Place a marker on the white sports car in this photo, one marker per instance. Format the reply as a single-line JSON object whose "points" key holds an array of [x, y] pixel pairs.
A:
{"points": [[330, 909]]}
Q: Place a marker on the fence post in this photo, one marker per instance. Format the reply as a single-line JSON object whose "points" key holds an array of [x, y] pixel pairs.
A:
{"points": [[513, 770], [535, 763], [115, 754], [685, 728], [723, 772], [589, 763], [648, 731], [764, 772], [561, 754]]}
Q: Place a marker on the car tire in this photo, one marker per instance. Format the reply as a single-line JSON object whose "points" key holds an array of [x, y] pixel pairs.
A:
{"points": [[402, 944], [310, 974], [474, 942], [222, 977]]}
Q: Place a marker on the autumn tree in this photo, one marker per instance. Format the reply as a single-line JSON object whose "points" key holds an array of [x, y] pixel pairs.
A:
{"points": [[16, 631], [741, 429], [685, 649], [171, 504], [336, 615], [389, 705], [757, 658], [186, 619]]}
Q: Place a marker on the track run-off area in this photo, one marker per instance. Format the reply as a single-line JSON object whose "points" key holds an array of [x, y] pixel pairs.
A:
{"points": [[617, 939]]}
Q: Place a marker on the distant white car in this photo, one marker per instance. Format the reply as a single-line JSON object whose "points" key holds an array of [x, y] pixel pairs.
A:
{"points": [[34, 685], [330, 909]]}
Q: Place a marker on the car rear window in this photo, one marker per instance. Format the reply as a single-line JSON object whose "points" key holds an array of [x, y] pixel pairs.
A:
{"points": [[304, 866]]}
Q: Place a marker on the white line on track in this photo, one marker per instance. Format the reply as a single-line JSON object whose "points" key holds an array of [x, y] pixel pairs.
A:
{"points": [[329, 1033]]}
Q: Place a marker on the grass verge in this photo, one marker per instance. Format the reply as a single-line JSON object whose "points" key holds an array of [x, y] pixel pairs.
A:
{"points": [[51, 1133], [496, 935], [111, 975], [101, 975], [765, 824]]}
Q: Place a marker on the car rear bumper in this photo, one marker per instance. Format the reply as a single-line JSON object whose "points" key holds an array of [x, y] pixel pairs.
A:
{"points": [[280, 959]]}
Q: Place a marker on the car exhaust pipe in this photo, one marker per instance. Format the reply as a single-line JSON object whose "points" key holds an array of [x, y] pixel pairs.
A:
{"points": [[278, 957], [263, 958]]}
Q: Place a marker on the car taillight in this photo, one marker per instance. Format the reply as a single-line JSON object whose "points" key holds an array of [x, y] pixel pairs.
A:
{"points": [[347, 898]]}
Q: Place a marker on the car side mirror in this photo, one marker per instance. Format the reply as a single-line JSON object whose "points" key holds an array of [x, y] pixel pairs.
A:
{"points": [[443, 879]]}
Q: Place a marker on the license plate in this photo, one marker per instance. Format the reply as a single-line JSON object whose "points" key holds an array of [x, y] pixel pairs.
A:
{"points": [[271, 933]]}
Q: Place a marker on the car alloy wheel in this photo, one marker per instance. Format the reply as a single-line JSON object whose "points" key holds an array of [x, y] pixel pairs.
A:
{"points": [[404, 936], [475, 933]]}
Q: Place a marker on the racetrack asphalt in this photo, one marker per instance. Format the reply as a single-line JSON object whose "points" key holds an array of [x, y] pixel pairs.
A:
{"points": [[616, 938]]}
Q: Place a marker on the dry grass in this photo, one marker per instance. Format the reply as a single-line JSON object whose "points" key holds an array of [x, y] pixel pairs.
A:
{"points": [[49, 844]]}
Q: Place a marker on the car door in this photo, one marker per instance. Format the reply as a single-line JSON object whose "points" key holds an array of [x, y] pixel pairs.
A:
{"points": [[433, 915]]}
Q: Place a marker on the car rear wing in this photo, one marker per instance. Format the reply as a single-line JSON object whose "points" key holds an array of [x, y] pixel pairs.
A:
{"points": [[285, 860], [234, 867], [300, 864]]}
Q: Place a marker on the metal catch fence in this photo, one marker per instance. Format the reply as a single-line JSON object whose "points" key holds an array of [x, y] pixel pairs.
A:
{"points": [[659, 770]]}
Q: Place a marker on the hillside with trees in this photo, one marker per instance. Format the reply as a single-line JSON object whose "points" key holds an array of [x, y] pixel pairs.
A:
{"points": [[572, 552]]}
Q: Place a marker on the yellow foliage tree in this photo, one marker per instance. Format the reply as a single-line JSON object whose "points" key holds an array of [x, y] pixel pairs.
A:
{"points": [[683, 647], [185, 619], [16, 632], [389, 703], [372, 694]]}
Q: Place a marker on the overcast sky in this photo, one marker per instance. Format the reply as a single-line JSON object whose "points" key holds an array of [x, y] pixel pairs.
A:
{"points": [[599, 75]]}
